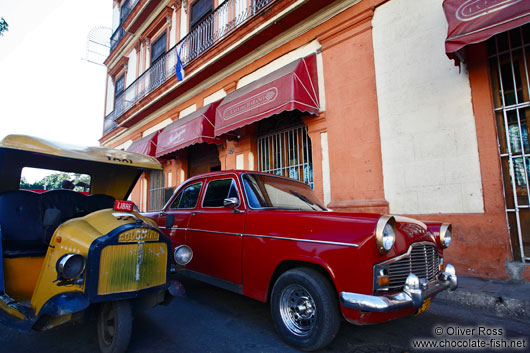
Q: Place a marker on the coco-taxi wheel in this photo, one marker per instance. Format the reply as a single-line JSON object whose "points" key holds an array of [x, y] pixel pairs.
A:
{"points": [[304, 309], [114, 326]]}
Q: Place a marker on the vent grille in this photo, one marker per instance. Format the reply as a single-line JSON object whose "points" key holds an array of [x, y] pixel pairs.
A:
{"points": [[132, 267], [423, 261]]}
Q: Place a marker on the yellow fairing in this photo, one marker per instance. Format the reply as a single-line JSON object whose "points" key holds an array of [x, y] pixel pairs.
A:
{"points": [[131, 267], [20, 276], [76, 237], [146, 261]]}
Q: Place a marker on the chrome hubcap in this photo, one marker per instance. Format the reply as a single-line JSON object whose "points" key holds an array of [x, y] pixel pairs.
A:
{"points": [[298, 310]]}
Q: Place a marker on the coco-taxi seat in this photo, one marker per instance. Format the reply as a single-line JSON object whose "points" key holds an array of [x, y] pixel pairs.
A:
{"points": [[68, 204], [21, 224], [29, 219]]}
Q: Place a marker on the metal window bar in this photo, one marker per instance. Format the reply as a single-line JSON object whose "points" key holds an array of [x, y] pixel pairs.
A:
{"points": [[287, 153], [517, 145], [228, 16], [156, 191], [120, 32]]}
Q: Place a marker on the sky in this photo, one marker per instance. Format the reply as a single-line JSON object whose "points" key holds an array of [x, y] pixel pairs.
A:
{"points": [[47, 88]]}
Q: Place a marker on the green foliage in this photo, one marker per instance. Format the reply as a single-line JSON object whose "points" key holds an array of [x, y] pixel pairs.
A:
{"points": [[55, 181], [4, 27]]}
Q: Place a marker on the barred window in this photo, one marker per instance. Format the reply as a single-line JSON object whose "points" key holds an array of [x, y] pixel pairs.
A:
{"points": [[509, 59], [156, 190], [287, 153]]}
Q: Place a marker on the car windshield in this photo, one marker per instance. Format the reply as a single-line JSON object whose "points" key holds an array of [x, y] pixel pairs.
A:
{"points": [[265, 191]]}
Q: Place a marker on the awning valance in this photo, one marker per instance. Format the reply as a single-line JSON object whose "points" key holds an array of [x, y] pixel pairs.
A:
{"points": [[146, 145], [195, 128], [292, 87], [474, 21]]}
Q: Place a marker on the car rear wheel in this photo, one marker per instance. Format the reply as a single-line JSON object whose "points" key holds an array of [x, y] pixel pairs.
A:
{"points": [[304, 309], [114, 326]]}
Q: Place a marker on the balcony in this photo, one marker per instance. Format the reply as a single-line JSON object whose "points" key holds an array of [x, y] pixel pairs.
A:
{"points": [[118, 34], [226, 18]]}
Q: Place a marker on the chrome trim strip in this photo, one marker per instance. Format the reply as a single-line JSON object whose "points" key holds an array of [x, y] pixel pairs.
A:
{"points": [[413, 295], [303, 240], [271, 237], [210, 231], [397, 258]]}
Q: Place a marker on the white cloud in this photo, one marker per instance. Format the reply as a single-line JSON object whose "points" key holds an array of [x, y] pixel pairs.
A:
{"points": [[46, 88]]}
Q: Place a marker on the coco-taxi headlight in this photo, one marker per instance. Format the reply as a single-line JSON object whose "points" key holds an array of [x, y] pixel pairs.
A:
{"points": [[182, 255], [70, 266], [385, 233], [445, 234]]}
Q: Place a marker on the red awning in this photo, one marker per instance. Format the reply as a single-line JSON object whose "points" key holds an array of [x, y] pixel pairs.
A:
{"points": [[474, 21], [146, 145], [292, 87], [195, 128]]}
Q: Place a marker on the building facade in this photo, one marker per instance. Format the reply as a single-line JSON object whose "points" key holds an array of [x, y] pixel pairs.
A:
{"points": [[357, 98]]}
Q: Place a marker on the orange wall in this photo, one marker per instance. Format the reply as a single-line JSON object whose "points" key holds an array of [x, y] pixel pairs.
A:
{"points": [[352, 115], [481, 243]]}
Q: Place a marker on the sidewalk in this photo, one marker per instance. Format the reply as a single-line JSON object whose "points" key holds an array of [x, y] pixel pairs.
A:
{"points": [[502, 298]]}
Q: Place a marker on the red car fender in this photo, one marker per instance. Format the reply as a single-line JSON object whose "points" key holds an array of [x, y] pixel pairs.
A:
{"points": [[261, 272]]}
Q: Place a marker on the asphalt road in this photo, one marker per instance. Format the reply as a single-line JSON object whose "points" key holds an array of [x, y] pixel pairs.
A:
{"points": [[209, 319]]}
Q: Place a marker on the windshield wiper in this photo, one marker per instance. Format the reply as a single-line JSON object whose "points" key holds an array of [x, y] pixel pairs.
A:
{"points": [[305, 199]]}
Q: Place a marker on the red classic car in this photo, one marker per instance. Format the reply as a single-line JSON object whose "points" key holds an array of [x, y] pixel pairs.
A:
{"points": [[269, 238]]}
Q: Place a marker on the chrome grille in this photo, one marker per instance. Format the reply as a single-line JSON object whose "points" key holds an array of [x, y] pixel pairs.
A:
{"points": [[423, 261]]}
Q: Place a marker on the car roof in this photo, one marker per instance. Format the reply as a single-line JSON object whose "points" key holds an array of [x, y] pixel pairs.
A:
{"points": [[93, 154], [238, 172]]}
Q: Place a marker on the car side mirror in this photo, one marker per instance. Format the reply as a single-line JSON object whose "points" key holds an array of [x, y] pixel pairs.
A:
{"points": [[231, 202], [170, 220]]}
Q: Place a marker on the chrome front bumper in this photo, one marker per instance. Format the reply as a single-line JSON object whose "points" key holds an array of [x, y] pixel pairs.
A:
{"points": [[413, 295]]}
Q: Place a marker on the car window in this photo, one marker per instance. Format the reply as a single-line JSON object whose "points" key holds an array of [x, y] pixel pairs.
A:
{"points": [[218, 191], [40, 180], [188, 197], [264, 191]]}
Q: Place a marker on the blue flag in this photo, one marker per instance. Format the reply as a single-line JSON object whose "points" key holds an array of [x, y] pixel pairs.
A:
{"points": [[179, 68]]}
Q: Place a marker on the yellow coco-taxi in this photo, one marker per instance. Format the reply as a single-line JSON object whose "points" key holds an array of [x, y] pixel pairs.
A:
{"points": [[66, 255]]}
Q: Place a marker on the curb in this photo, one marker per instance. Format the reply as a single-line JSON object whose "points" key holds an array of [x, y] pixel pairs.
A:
{"points": [[498, 305]]}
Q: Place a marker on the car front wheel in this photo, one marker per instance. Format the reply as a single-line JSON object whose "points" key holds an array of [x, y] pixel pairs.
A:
{"points": [[114, 326], [304, 309]]}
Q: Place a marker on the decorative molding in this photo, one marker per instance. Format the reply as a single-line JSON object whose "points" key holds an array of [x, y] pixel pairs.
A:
{"points": [[315, 124], [347, 29], [230, 87], [372, 205], [161, 21], [176, 4], [119, 67]]}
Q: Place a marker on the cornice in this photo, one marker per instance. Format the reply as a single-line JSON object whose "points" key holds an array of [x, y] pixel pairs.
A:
{"points": [[347, 29]]}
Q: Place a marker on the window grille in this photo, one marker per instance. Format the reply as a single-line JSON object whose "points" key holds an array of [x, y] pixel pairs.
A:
{"points": [[509, 60], [156, 190], [287, 153]]}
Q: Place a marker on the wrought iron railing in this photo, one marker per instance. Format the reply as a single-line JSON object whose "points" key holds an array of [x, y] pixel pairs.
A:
{"points": [[222, 21], [109, 123], [118, 34]]}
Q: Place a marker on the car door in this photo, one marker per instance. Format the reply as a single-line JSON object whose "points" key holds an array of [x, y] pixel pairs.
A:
{"points": [[174, 219], [215, 233]]}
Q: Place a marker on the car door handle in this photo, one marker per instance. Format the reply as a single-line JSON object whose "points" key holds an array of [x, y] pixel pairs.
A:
{"points": [[161, 214]]}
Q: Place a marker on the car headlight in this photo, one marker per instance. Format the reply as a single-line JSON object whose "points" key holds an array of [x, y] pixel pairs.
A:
{"points": [[445, 234], [70, 266], [182, 255], [385, 233]]}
